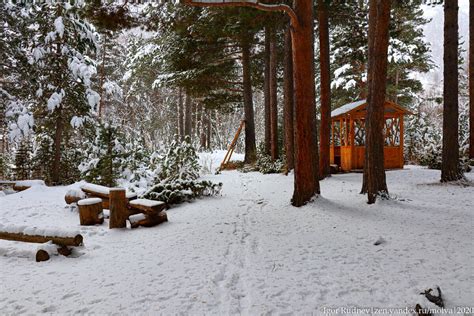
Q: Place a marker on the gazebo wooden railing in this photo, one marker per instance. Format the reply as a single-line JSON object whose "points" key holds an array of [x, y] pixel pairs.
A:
{"points": [[348, 135]]}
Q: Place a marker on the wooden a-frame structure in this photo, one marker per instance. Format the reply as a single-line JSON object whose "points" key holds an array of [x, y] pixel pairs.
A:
{"points": [[348, 135]]}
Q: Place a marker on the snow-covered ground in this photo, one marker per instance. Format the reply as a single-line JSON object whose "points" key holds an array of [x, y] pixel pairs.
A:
{"points": [[249, 252]]}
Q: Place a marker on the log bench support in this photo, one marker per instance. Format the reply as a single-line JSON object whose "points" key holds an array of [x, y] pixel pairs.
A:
{"points": [[90, 211], [118, 208]]}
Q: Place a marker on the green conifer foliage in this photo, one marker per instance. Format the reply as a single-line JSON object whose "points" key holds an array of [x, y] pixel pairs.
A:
{"points": [[177, 176]]}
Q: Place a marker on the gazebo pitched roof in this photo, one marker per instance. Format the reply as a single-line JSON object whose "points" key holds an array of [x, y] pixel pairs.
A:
{"points": [[361, 105]]}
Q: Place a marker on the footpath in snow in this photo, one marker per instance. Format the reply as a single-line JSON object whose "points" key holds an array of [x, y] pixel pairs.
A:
{"points": [[249, 252]]}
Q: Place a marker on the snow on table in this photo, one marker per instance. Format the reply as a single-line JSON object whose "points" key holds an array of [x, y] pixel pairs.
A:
{"points": [[146, 202], [105, 190], [96, 188], [250, 252]]}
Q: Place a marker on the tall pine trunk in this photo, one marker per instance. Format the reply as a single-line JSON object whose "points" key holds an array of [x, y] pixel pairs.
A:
{"points": [[374, 181], [188, 113], [288, 101], [450, 170], [471, 79], [273, 95], [266, 92], [306, 151], [180, 114], [250, 145], [325, 130]]}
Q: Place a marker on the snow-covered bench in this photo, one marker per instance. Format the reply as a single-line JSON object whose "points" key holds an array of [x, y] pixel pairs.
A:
{"points": [[147, 213], [51, 239], [139, 212]]}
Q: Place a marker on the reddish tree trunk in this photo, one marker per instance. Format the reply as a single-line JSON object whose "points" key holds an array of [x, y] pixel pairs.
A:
{"points": [[306, 152], [250, 146], [325, 130], [273, 95], [450, 170], [471, 79], [374, 171], [266, 92], [288, 101]]}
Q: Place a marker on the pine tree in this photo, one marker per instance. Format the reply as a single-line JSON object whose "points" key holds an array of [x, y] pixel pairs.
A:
{"points": [[23, 161], [56, 75], [450, 170], [288, 107], [325, 86], [408, 51], [374, 182], [176, 176]]}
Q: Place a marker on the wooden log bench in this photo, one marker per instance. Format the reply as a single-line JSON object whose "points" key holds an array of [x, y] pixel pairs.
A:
{"points": [[122, 205], [147, 213], [51, 239]]}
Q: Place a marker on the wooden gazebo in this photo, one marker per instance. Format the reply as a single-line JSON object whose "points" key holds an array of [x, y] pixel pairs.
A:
{"points": [[348, 135]]}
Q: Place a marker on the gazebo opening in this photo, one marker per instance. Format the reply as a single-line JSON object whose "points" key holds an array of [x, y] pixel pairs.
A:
{"points": [[348, 135]]}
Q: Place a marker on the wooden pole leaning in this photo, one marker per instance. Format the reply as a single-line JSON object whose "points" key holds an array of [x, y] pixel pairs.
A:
{"points": [[232, 145]]}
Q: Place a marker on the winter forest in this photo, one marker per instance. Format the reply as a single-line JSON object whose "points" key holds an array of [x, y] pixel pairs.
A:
{"points": [[226, 157]]}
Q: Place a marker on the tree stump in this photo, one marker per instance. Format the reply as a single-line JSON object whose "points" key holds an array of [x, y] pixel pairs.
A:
{"points": [[118, 208], [90, 211], [42, 255]]}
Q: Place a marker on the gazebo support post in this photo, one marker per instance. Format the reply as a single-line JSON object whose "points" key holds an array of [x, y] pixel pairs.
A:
{"points": [[401, 141]]}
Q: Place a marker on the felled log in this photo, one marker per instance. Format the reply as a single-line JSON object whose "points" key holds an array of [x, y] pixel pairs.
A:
{"points": [[19, 188], [148, 219], [74, 196], [147, 206], [90, 211], [57, 240], [26, 184], [118, 208]]}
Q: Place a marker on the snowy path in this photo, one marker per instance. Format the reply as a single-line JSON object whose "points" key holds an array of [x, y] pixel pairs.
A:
{"points": [[248, 252]]}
